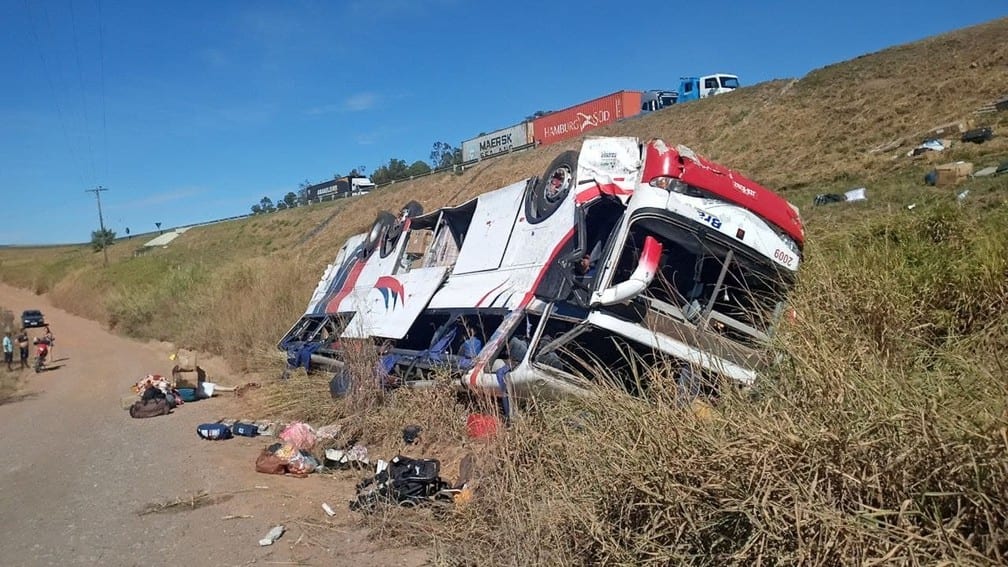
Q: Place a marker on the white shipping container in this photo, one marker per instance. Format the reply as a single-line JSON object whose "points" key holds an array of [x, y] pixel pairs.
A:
{"points": [[497, 142]]}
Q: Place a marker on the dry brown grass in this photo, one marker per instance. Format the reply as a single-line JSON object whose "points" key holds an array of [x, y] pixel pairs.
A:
{"points": [[880, 437]]}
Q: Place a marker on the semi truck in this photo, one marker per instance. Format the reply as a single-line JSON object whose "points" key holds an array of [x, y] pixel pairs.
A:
{"points": [[690, 88], [622, 253], [345, 186]]}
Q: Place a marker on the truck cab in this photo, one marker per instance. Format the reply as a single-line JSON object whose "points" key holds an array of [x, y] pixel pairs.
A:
{"points": [[657, 99], [693, 88], [690, 88]]}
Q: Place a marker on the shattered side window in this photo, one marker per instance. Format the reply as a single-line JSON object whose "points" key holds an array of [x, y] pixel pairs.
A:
{"points": [[444, 251]]}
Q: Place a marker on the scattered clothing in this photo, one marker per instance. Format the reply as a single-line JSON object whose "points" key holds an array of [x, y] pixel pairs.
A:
{"points": [[300, 435]]}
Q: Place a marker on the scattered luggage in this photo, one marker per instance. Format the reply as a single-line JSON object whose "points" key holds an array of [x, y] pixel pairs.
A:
{"points": [[245, 429], [213, 431], [149, 408], [284, 458], [403, 481], [978, 135]]}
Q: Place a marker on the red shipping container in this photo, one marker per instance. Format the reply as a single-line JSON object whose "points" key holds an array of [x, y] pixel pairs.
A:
{"points": [[576, 120]]}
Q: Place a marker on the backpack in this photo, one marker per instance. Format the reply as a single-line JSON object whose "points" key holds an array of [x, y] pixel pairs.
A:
{"points": [[213, 431], [149, 408], [245, 429], [405, 481]]}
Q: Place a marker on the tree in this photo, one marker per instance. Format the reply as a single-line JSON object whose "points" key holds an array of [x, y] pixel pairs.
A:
{"points": [[266, 204], [302, 193], [102, 238], [281, 205], [256, 209], [419, 167], [396, 169], [290, 200], [445, 155]]}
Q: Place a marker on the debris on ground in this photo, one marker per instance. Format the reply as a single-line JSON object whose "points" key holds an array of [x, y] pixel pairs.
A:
{"points": [[271, 537], [149, 408], [996, 106], [245, 429], [962, 196], [331, 431], [957, 127], [403, 481], [986, 172], [411, 434], [328, 509], [300, 435], [949, 173], [481, 426], [285, 458], [213, 431], [356, 456], [929, 145], [978, 135], [858, 194]]}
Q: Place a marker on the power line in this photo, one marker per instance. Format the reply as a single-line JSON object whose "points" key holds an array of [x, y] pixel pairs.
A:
{"points": [[80, 78], [52, 89], [101, 59]]}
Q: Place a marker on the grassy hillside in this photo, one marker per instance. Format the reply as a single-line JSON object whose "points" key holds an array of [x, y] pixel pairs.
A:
{"points": [[881, 438], [798, 136]]}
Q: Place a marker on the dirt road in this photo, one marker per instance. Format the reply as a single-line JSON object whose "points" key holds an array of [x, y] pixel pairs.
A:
{"points": [[77, 471]]}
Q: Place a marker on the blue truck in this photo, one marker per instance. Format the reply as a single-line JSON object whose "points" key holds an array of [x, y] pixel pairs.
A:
{"points": [[690, 88]]}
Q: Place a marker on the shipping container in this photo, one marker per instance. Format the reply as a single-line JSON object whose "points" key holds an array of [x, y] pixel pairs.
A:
{"points": [[576, 120], [497, 142]]}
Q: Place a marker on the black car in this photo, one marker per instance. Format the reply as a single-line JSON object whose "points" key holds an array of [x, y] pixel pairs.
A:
{"points": [[32, 318]]}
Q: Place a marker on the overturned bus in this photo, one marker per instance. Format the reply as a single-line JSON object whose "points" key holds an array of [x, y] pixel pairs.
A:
{"points": [[623, 253]]}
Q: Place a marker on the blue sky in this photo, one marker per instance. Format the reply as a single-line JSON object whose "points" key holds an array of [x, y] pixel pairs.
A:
{"points": [[189, 111]]}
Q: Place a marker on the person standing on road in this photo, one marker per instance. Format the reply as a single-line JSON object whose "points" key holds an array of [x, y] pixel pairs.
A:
{"points": [[49, 340], [22, 341], [8, 350]]}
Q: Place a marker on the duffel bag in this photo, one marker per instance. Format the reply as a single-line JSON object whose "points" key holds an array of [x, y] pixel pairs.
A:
{"points": [[149, 408], [213, 431]]}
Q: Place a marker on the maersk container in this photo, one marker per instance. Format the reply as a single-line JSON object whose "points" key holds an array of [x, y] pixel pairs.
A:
{"points": [[576, 120], [498, 142]]}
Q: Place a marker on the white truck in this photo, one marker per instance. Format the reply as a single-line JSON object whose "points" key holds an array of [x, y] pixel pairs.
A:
{"points": [[621, 254], [690, 88]]}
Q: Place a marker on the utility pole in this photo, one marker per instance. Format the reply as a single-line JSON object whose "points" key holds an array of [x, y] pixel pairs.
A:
{"points": [[101, 221]]}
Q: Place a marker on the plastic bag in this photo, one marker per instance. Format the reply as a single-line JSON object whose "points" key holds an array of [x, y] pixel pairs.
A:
{"points": [[302, 463], [300, 435]]}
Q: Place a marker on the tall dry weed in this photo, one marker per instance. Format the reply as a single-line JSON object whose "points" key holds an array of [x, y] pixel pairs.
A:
{"points": [[880, 436]]}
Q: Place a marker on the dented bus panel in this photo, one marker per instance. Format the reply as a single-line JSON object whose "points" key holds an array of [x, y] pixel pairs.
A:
{"points": [[622, 253]]}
